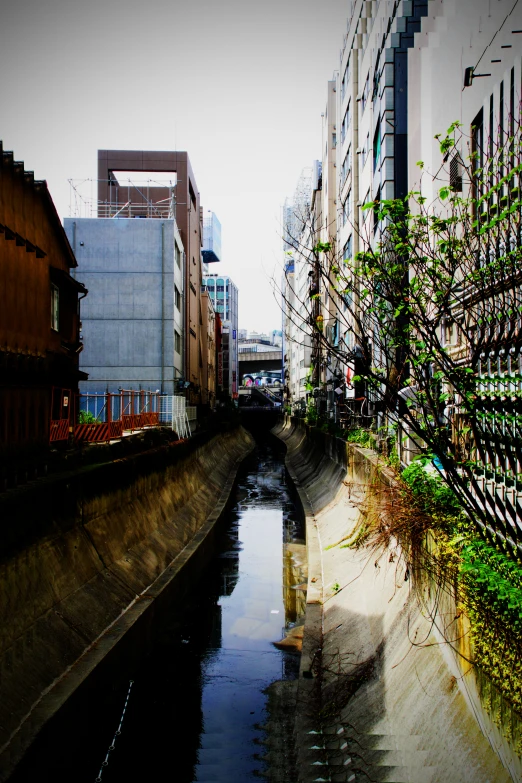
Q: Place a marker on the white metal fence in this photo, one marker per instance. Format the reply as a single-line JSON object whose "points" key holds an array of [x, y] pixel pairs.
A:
{"points": [[175, 414]]}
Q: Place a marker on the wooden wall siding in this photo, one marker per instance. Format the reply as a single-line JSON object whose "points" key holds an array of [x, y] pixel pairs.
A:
{"points": [[33, 357]]}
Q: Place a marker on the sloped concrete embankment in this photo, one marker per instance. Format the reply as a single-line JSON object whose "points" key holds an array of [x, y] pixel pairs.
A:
{"points": [[378, 681], [92, 561]]}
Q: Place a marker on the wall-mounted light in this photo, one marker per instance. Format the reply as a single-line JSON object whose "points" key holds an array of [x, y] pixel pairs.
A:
{"points": [[469, 75]]}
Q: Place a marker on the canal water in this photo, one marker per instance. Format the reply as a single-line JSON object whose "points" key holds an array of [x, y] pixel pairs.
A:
{"points": [[196, 707]]}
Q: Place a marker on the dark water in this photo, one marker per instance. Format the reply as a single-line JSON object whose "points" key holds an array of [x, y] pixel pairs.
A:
{"points": [[197, 703]]}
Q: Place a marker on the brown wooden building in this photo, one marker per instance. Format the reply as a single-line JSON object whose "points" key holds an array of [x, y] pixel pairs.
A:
{"points": [[39, 322]]}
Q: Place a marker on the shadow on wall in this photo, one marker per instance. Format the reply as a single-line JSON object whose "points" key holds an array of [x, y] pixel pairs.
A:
{"points": [[352, 699]]}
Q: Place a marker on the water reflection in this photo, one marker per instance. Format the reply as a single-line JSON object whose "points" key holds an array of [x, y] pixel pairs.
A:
{"points": [[198, 701]]}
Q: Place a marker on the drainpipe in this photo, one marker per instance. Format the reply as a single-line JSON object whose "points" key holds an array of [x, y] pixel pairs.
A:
{"points": [[162, 305]]}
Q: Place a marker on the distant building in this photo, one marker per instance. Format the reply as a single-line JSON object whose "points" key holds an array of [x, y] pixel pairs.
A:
{"points": [[208, 316], [133, 323], [298, 233], [119, 195], [276, 337], [211, 239], [39, 322], [224, 295], [256, 342]]}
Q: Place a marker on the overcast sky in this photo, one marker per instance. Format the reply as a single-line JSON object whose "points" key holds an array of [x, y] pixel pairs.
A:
{"points": [[239, 84]]}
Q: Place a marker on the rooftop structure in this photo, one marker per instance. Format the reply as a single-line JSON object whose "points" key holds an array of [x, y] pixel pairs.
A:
{"points": [[159, 186], [211, 239]]}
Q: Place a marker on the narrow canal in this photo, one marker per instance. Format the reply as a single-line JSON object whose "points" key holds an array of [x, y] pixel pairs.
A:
{"points": [[197, 706]]}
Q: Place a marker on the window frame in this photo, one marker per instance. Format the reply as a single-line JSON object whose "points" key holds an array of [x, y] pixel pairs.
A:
{"points": [[55, 308]]}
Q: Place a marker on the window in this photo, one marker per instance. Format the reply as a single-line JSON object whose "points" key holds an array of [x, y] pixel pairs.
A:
{"points": [[377, 147], [177, 341], [512, 103], [451, 334], [501, 116], [347, 165], [455, 174], [366, 91], [55, 308], [347, 252], [376, 211], [347, 208], [346, 122], [178, 257], [364, 213], [192, 195], [364, 151], [477, 151], [346, 79], [177, 297]]}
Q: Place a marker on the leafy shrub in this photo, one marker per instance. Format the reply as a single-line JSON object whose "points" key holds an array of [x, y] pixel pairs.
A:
{"points": [[86, 417], [361, 437], [429, 490]]}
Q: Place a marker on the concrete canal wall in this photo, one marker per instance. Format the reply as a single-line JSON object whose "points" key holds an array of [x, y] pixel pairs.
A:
{"points": [[91, 559], [395, 701]]}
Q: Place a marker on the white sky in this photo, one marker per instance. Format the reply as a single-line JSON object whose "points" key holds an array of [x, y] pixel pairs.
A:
{"points": [[240, 85]]}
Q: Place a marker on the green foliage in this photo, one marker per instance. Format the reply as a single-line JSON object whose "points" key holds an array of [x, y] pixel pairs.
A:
{"points": [[495, 580], [86, 417], [360, 436], [308, 382], [434, 282], [312, 416], [492, 591], [489, 584], [429, 490], [322, 247]]}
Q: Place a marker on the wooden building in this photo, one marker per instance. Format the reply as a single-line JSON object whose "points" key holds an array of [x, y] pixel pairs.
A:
{"points": [[39, 323]]}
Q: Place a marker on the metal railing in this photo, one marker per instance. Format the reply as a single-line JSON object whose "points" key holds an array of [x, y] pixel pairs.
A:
{"points": [[105, 416], [173, 413]]}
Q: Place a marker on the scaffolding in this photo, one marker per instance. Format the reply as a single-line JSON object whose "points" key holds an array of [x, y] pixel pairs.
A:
{"points": [[128, 198]]}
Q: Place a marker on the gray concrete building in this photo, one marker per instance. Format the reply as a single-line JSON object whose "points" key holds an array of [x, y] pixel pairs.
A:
{"points": [[133, 325]]}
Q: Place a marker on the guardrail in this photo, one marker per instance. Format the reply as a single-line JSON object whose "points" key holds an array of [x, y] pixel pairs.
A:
{"points": [[101, 417]]}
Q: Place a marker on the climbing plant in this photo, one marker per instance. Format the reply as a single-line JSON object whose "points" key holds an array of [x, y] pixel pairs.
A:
{"points": [[430, 311]]}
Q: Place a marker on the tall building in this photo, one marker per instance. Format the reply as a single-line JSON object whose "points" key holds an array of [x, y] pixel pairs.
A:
{"points": [[296, 285], [211, 239], [118, 195], [133, 325], [210, 360], [224, 295]]}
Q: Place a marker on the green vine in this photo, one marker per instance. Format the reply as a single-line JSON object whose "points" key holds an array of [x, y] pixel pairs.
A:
{"points": [[360, 436], [489, 585]]}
